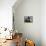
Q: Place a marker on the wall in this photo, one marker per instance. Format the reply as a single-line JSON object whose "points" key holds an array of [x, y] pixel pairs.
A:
{"points": [[43, 22], [6, 13], [6, 18], [30, 30]]}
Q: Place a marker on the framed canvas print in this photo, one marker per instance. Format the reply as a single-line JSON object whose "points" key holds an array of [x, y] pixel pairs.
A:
{"points": [[28, 19]]}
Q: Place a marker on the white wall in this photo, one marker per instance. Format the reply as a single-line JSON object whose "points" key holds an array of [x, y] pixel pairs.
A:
{"points": [[43, 22], [6, 17], [30, 30], [6, 13]]}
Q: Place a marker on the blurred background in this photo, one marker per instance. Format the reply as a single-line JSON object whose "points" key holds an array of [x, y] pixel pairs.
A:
{"points": [[36, 8]]}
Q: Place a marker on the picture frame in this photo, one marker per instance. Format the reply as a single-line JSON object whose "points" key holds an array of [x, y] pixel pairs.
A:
{"points": [[28, 19]]}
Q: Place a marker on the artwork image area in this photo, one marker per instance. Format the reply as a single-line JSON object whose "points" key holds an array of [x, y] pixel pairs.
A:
{"points": [[28, 19]]}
